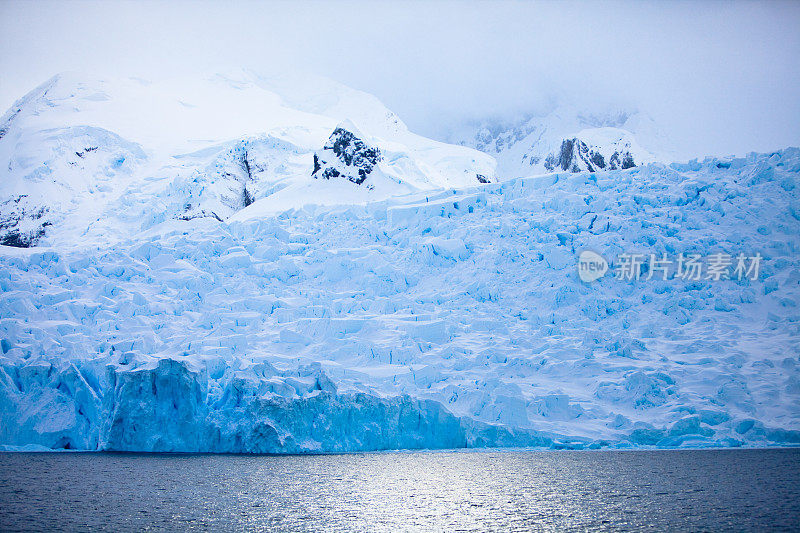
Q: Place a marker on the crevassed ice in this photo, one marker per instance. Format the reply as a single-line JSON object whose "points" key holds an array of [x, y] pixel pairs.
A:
{"points": [[448, 318]]}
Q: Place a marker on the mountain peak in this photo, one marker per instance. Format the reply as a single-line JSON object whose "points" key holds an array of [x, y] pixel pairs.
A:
{"points": [[533, 144], [82, 155]]}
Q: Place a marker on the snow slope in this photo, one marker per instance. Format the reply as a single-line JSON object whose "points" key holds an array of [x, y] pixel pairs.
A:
{"points": [[449, 317], [93, 160], [552, 140]]}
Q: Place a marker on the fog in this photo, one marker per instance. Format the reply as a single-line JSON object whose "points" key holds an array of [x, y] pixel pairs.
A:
{"points": [[720, 78]]}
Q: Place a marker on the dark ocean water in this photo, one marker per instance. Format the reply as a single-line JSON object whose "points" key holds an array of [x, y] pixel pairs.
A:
{"points": [[713, 490]]}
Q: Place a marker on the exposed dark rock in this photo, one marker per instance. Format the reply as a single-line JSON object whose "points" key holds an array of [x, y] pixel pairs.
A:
{"points": [[345, 156], [86, 151], [199, 214], [7, 124], [613, 161], [627, 161], [248, 198], [576, 156], [565, 159], [550, 162], [15, 211], [18, 240], [482, 178]]}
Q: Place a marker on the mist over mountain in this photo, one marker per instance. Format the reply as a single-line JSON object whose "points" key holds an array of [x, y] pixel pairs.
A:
{"points": [[717, 78]]}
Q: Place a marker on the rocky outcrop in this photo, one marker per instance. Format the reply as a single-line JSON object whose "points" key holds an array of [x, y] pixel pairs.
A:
{"points": [[577, 156], [345, 156], [22, 223]]}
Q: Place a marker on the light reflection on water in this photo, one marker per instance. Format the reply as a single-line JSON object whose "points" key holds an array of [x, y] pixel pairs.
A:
{"points": [[426, 491]]}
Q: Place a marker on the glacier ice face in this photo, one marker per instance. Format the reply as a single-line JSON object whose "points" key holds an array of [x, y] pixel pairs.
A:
{"points": [[444, 318], [169, 408]]}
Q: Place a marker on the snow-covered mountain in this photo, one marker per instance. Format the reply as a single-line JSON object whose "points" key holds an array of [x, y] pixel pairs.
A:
{"points": [[93, 159], [566, 138], [248, 264]]}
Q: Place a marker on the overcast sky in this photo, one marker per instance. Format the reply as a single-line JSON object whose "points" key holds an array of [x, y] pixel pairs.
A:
{"points": [[719, 77]]}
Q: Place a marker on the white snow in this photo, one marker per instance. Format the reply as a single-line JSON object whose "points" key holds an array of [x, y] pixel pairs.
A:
{"points": [[108, 158]]}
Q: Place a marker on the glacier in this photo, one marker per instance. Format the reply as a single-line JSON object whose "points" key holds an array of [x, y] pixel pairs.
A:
{"points": [[255, 264], [448, 317]]}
